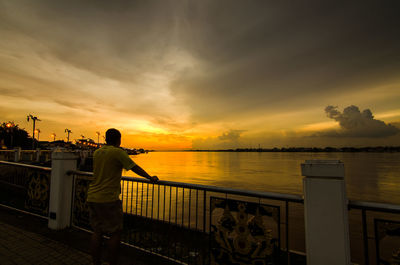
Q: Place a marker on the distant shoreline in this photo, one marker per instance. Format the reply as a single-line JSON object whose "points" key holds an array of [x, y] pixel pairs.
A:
{"points": [[376, 149]]}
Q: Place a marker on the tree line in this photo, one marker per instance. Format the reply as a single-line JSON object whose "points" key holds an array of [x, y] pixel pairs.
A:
{"points": [[11, 135]]}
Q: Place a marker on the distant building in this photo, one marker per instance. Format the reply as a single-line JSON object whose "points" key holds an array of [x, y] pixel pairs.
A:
{"points": [[54, 144], [86, 144]]}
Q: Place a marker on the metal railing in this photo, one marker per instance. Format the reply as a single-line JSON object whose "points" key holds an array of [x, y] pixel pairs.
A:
{"points": [[26, 155], [385, 220], [7, 155], [197, 224], [181, 221], [25, 187]]}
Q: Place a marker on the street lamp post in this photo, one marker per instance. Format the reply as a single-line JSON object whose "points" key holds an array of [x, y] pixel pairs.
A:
{"points": [[34, 119], [98, 137], [38, 133], [10, 127], [68, 132]]}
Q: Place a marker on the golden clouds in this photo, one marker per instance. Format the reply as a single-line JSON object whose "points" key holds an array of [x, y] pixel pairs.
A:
{"points": [[172, 75], [157, 141]]}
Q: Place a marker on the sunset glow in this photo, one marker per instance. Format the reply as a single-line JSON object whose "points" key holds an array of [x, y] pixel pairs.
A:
{"points": [[202, 74]]}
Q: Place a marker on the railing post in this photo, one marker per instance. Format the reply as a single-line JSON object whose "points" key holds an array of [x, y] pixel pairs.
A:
{"points": [[326, 213], [61, 188], [83, 155], [37, 155], [17, 154]]}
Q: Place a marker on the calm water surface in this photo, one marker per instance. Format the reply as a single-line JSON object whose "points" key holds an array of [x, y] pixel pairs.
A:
{"points": [[369, 176]]}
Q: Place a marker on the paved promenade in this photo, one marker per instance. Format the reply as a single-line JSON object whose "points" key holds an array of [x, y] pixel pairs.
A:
{"points": [[22, 247], [25, 239]]}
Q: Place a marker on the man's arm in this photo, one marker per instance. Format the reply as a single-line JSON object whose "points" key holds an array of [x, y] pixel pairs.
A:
{"points": [[140, 171]]}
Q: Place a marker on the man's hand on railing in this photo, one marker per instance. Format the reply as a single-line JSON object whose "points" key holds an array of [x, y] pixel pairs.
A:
{"points": [[153, 179]]}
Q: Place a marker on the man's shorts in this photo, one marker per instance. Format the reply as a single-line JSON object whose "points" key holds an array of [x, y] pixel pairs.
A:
{"points": [[107, 217]]}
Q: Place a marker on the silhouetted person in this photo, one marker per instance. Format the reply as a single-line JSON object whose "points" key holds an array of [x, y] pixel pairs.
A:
{"points": [[105, 207]]}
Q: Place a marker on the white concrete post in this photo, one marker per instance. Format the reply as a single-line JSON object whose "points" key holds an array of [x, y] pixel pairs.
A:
{"points": [[326, 213], [17, 154], [84, 155], [61, 188], [37, 154]]}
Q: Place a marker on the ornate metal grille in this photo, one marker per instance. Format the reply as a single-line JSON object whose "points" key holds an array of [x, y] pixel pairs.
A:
{"points": [[387, 237], [80, 211], [244, 232], [25, 187]]}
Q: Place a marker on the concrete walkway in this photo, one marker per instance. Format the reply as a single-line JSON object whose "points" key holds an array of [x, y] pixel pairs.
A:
{"points": [[18, 246], [26, 239]]}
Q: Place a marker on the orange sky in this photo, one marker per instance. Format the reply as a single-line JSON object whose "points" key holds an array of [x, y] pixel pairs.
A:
{"points": [[202, 75]]}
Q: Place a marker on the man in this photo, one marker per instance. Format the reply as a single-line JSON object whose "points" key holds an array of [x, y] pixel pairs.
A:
{"points": [[105, 208]]}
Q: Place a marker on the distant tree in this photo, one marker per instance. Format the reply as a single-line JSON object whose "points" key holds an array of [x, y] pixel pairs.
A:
{"points": [[14, 136]]}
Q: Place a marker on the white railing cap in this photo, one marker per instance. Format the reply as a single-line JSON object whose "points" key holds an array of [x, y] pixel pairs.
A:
{"points": [[320, 161], [323, 168], [60, 154]]}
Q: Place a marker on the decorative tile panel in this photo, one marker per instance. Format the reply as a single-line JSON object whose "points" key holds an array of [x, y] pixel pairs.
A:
{"points": [[244, 232], [387, 240]]}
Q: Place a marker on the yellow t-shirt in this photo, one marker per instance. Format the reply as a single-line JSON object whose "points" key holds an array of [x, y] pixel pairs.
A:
{"points": [[108, 162]]}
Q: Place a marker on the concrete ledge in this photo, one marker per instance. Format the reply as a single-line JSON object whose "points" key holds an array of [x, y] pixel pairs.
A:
{"points": [[59, 154], [323, 168]]}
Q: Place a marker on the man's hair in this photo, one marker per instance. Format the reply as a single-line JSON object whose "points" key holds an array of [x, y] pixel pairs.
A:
{"points": [[112, 136]]}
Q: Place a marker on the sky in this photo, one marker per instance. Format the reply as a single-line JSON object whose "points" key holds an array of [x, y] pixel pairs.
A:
{"points": [[204, 74]]}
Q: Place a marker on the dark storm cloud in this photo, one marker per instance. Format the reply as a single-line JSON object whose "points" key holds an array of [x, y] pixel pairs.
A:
{"points": [[354, 123], [247, 54], [107, 43], [110, 38], [217, 60], [262, 53]]}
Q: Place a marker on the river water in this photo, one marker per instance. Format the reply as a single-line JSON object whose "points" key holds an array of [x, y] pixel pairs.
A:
{"points": [[369, 176]]}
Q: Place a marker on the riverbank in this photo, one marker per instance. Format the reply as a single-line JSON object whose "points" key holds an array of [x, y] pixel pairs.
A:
{"points": [[374, 149]]}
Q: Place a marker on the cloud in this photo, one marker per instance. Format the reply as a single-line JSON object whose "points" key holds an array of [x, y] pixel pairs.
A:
{"points": [[155, 140], [192, 66], [263, 55], [231, 135], [354, 123], [108, 58], [227, 140]]}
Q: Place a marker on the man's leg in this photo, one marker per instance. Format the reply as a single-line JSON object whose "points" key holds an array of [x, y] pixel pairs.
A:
{"points": [[95, 247], [113, 247]]}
